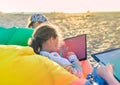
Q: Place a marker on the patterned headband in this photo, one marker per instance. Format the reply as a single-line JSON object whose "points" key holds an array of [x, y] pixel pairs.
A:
{"points": [[38, 18]]}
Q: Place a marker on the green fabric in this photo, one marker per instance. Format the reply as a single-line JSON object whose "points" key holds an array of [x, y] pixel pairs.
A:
{"points": [[5, 34], [21, 36], [15, 36]]}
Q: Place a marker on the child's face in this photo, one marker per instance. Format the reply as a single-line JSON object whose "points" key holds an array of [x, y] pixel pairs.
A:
{"points": [[55, 44]]}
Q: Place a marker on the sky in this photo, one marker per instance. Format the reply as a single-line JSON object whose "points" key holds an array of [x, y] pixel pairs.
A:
{"points": [[59, 5]]}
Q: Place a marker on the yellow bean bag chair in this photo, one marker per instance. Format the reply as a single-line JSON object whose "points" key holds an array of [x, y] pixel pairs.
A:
{"points": [[21, 66]]}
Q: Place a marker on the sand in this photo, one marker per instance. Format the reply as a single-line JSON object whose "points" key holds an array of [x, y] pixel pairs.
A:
{"points": [[102, 29]]}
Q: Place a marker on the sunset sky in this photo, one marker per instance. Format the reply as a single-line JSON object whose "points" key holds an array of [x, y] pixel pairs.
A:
{"points": [[59, 5]]}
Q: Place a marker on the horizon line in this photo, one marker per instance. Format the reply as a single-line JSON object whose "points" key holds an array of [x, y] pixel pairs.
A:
{"points": [[29, 12]]}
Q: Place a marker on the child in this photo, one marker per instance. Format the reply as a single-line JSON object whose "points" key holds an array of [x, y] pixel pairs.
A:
{"points": [[35, 20], [46, 41]]}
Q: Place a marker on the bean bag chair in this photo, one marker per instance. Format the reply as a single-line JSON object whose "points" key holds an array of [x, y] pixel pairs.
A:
{"points": [[15, 36], [21, 66]]}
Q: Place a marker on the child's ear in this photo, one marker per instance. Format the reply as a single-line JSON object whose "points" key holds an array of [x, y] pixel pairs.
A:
{"points": [[36, 24], [50, 39]]}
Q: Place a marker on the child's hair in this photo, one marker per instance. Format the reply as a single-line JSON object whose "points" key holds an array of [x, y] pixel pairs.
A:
{"points": [[41, 34]]}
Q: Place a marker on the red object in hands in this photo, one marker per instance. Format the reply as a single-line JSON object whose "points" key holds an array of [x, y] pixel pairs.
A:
{"points": [[75, 44]]}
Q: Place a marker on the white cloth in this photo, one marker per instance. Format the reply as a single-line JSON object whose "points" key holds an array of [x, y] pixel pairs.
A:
{"points": [[56, 57]]}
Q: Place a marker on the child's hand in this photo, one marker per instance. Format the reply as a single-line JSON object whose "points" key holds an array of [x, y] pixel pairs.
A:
{"points": [[69, 69], [69, 54], [108, 68], [105, 72]]}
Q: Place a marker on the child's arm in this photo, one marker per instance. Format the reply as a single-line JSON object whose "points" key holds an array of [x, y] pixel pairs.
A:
{"points": [[69, 69], [72, 57], [77, 68], [60, 60], [107, 74]]}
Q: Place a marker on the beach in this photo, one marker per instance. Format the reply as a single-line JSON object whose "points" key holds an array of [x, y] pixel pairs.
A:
{"points": [[102, 28]]}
